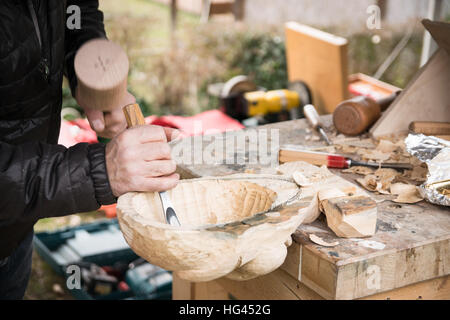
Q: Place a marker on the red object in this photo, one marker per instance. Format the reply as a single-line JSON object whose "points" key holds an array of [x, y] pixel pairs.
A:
{"points": [[76, 131], [123, 286], [208, 122], [109, 210], [337, 162]]}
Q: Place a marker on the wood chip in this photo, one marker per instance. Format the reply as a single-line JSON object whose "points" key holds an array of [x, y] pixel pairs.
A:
{"points": [[359, 170], [407, 193], [419, 174], [301, 180], [369, 182], [320, 241], [374, 155], [386, 146], [379, 181]]}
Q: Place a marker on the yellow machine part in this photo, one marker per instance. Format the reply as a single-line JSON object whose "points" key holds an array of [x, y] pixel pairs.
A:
{"points": [[264, 102]]}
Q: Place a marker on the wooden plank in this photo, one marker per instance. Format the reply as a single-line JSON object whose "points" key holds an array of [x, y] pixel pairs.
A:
{"points": [[210, 291], [319, 59], [221, 7], [182, 289], [277, 285], [424, 99], [434, 289]]}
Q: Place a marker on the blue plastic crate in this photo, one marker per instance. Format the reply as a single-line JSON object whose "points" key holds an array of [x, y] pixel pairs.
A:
{"points": [[101, 243]]}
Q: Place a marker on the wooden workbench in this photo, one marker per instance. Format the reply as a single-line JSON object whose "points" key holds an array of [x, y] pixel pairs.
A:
{"points": [[407, 258]]}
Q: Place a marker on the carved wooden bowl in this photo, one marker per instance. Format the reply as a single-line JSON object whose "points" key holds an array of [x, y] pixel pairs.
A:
{"points": [[224, 229]]}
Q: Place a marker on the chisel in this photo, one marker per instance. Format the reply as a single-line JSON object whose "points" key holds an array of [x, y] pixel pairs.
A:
{"points": [[134, 117], [332, 160], [313, 117]]}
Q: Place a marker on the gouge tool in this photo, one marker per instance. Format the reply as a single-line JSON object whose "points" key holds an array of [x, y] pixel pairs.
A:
{"points": [[313, 118]]}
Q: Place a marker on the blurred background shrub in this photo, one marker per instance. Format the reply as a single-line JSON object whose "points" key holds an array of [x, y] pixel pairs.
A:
{"points": [[170, 73]]}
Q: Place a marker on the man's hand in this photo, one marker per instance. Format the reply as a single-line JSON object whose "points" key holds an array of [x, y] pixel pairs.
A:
{"points": [[139, 159], [105, 124]]}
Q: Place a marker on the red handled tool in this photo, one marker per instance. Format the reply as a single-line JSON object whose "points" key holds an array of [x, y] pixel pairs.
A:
{"points": [[332, 160]]}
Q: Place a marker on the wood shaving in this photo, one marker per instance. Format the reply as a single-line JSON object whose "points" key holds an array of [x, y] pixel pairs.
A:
{"points": [[374, 155], [328, 149], [300, 179], [379, 181], [320, 241], [347, 149], [359, 170], [419, 174], [414, 161], [310, 137], [386, 176], [369, 182], [407, 193], [386, 146]]}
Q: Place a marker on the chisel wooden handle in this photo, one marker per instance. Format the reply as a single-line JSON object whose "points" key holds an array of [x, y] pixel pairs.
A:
{"points": [[313, 117], [312, 157], [134, 115], [311, 114], [332, 160], [430, 127]]}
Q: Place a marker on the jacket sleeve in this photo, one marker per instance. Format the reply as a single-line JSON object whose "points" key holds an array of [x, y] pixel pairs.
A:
{"points": [[40, 180], [91, 27]]}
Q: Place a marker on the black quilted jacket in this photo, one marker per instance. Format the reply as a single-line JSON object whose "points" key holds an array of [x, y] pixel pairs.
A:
{"points": [[39, 178]]}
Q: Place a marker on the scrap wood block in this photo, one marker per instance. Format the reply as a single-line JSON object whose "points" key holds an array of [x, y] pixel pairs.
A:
{"points": [[320, 60], [350, 211]]}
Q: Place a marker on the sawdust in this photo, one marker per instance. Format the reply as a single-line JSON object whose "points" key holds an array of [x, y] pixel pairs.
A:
{"points": [[346, 149], [391, 182], [310, 137], [373, 155], [359, 170], [382, 179], [328, 149], [390, 149]]}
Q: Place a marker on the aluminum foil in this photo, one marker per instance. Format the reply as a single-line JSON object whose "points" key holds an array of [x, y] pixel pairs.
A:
{"points": [[435, 153]]}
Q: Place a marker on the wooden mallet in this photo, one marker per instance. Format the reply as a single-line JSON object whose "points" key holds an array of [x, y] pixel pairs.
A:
{"points": [[101, 67]]}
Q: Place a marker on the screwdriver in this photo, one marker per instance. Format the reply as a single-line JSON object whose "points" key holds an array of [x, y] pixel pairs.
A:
{"points": [[313, 117], [288, 154]]}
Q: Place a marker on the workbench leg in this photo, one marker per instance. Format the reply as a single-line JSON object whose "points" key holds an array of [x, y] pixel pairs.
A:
{"points": [[185, 290], [182, 289]]}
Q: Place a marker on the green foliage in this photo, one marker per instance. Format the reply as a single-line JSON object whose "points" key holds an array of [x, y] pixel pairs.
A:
{"points": [[263, 57], [366, 57], [146, 106], [68, 100]]}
